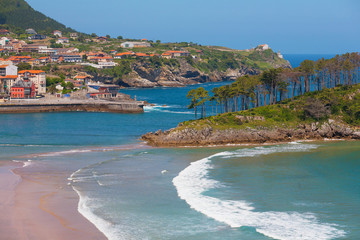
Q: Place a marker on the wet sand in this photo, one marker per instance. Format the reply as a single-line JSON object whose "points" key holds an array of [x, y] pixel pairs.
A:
{"points": [[38, 204]]}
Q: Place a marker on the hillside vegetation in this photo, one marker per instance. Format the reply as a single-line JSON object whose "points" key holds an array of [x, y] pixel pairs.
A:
{"points": [[19, 15], [341, 104]]}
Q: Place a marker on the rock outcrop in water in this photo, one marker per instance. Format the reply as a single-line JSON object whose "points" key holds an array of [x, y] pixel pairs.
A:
{"points": [[210, 136]]}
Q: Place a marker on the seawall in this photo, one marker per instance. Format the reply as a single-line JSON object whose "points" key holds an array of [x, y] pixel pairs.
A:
{"points": [[71, 106]]}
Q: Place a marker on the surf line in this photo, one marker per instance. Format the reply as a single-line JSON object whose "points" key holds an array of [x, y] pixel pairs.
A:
{"points": [[193, 181]]}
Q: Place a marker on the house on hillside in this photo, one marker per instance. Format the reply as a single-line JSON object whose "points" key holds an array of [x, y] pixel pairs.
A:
{"points": [[141, 55], [57, 33], [74, 35], [4, 41], [83, 78], [135, 44], [37, 37], [67, 57], [30, 31], [63, 40], [100, 39], [8, 69], [124, 55], [174, 54], [4, 32]]}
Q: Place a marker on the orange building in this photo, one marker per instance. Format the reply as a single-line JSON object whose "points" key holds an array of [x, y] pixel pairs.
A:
{"points": [[23, 89]]}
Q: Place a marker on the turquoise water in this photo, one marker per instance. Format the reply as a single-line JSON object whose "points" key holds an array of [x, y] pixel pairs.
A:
{"points": [[307, 190]]}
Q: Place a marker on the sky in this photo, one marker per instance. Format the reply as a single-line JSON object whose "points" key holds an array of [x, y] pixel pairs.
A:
{"points": [[291, 26]]}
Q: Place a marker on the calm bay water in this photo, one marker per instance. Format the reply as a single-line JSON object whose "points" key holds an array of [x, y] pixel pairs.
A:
{"points": [[303, 190]]}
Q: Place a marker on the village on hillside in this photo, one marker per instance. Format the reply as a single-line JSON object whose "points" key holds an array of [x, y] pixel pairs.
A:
{"points": [[26, 60]]}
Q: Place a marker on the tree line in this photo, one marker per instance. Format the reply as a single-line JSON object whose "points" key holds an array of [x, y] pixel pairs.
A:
{"points": [[276, 85]]}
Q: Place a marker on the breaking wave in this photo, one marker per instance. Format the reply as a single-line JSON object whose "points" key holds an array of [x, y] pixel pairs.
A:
{"points": [[193, 181]]}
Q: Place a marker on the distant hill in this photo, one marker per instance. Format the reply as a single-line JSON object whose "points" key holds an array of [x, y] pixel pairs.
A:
{"points": [[18, 14]]}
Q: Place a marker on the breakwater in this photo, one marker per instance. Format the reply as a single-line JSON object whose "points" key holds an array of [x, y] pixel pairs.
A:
{"points": [[32, 106]]}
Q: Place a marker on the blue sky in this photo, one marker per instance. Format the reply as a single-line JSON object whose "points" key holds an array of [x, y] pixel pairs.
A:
{"points": [[292, 26]]}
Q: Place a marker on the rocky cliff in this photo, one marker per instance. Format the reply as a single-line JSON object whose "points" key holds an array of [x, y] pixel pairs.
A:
{"points": [[330, 113], [145, 75]]}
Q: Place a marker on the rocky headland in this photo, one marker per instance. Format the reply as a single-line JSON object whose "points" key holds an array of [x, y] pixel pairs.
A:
{"points": [[209, 136], [328, 114]]}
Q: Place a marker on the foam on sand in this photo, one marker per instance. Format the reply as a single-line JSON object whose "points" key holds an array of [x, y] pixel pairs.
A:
{"points": [[192, 182]]}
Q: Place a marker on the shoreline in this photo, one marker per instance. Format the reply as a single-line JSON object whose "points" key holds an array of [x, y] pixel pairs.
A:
{"points": [[248, 144], [207, 136], [40, 205]]}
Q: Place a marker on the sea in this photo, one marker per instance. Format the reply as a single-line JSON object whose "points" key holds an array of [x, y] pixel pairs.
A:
{"points": [[130, 191]]}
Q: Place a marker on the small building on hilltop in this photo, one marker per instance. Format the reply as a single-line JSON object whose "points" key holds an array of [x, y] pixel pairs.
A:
{"points": [[23, 89], [263, 47]]}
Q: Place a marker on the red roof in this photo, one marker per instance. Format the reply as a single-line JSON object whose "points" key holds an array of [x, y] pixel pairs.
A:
{"points": [[81, 77], [3, 66], [31, 71], [124, 53], [9, 76], [141, 55]]}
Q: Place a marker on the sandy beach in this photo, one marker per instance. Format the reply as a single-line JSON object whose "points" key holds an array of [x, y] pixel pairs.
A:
{"points": [[38, 204]]}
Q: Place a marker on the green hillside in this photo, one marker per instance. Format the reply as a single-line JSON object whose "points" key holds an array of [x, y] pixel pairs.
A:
{"points": [[19, 15]]}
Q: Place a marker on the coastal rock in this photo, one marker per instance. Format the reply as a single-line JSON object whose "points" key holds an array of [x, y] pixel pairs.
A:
{"points": [[208, 136]]}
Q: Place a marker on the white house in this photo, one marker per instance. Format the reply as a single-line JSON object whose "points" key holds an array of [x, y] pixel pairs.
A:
{"points": [[4, 41], [135, 44], [74, 35], [57, 33], [8, 69], [263, 47], [62, 40]]}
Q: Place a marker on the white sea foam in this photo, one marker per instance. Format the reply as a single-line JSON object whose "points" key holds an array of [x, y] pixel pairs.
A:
{"points": [[104, 226], [25, 163], [192, 182], [159, 108], [54, 154]]}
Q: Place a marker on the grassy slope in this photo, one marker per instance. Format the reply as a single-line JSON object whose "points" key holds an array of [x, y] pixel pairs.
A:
{"points": [[343, 104], [20, 14]]}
